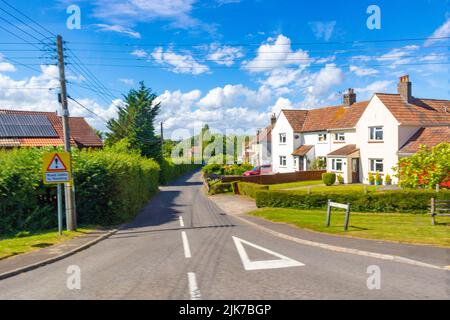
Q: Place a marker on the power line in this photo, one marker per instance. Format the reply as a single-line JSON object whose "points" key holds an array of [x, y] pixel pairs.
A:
{"points": [[20, 20], [259, 44]]}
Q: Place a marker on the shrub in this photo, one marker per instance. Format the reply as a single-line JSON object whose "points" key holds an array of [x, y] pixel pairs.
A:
{"points": [[415, 201], [329, 178], [111, 187], [250, 189], [213, 168], [319, 163], [220, 187], [378, 179], [171, 171], [340, 179], [388, 180], [371, 178]]}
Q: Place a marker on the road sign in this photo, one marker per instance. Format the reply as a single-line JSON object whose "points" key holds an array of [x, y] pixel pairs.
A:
{"points": [[56, 167]]}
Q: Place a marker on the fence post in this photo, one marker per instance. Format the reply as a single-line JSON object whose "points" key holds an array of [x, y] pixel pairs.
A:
{"points": [[347, 217], [437, 187], [433, 208], [328, 213]]}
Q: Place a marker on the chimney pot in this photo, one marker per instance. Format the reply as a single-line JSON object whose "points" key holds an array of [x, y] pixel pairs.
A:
{"points": [[273, 119]]}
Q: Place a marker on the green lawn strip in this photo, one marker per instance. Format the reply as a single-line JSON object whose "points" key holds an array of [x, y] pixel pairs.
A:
{"points": [[10, 246], [297, 184], [401, 227]]}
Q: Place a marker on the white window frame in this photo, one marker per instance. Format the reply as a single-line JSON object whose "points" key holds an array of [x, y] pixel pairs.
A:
{"points": [[295, 163], [334, 162], [282, 138], [373, 165], [339, 136], [373, 133], [322, 137], [283, 161]]}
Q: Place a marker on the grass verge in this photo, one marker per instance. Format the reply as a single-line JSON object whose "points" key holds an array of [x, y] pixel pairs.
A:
{"points": [[298, 184], [11, 246], [401, 227]]}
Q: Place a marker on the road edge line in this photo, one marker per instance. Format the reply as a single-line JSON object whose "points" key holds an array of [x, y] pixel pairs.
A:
{"points": [[325, 246], [39, 264]]}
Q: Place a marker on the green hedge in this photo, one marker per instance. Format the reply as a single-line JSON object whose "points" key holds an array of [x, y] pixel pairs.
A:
{"points": [[171, 171], [388, 201], [250, 189], [220, 187], [111, 187]]}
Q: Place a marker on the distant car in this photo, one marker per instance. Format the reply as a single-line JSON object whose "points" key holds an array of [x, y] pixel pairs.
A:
{"points": [[256, 171]]}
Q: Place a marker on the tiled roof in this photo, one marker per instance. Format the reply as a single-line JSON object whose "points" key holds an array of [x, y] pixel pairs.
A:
{"points": [[428, 136], [422, 112], [334, 117], [264, 135], [344, 151], [82, 135], [302, 150], [296, 118]]}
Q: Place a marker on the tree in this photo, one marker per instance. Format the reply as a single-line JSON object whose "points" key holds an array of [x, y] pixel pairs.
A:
{"points": [[136, 122]]}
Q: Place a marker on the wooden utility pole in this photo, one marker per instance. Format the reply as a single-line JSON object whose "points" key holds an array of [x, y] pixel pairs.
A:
{"points": [[68, 187], [162, 141]]}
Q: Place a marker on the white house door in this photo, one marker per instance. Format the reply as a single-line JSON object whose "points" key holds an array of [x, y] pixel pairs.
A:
{"points": [[301, 164]]}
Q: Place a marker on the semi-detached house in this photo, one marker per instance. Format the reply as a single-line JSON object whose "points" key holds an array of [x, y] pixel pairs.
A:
{"points": [[357, 138]]}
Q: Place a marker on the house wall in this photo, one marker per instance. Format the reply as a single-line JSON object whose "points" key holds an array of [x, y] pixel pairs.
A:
{"points": [[321, 149], [283, 149], [350, 138], [376, 114]]}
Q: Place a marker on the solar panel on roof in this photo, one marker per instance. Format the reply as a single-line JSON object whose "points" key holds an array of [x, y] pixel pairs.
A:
{"points": [[26, 126]]}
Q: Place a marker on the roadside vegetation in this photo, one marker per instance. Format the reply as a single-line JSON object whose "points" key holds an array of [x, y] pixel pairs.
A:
{"points": [[400, 227]]}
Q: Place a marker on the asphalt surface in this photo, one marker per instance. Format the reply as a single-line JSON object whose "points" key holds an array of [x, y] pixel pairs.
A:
{"points": [[158, 256]]}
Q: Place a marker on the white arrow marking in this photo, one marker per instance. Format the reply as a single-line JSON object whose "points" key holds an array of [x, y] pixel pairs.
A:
{"points": [[282, 262]]}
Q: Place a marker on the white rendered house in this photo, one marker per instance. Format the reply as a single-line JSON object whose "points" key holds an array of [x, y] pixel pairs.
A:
{"points": [[357, 138]]}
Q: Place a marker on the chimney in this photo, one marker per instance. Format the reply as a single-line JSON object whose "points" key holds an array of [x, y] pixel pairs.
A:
{"points": [[273, 119], [258, 132], [349, 97], [404, 88]]}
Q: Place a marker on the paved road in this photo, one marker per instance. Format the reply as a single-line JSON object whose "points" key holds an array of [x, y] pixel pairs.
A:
{"points": [[182, 246]]}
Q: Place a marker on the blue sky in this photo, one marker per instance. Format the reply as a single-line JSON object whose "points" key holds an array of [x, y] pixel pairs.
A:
{"points": [[227, 62]]}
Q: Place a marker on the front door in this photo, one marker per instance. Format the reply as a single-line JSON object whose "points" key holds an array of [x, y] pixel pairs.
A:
{"points": [[300, 163], [355, 170]]}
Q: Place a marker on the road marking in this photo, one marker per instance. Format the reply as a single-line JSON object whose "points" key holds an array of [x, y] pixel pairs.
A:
{"points": [[181, 221], [282, 262], [193, 287], [187, 250]]}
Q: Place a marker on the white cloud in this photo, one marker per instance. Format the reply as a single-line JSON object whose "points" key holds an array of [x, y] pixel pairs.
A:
{"points": [[327, 77], [361, 72], [119, 29], [377, 86], [235, 96], [225, 55], [139, 53], [128, 82], [276, 53], [7, 67], [442, 31], [180, 63], [322, 29], [281, 103]]}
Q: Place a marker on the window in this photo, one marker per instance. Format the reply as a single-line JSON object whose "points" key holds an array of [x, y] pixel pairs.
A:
{"points": [[282, 137], [282, 161], [295, 162], [339, 136], [376, 133], [336, 164], [322, 137], [376, 165]]}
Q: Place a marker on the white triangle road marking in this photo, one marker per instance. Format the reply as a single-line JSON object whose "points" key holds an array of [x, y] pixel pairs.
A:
{"points": [[282, 262]]}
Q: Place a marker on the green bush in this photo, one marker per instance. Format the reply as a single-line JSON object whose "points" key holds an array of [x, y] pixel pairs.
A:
{"points": [[250, 189], [213, 168], [416, 201], [329, 178], [340, 179], [171, 171], [220, 187], [229, 169], [111, 187], [388, 180]]}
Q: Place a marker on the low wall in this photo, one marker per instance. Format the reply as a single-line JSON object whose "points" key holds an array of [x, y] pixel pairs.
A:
{"points": [[278, 177]]}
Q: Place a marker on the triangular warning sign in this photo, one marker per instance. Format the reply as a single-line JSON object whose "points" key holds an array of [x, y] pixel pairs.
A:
{"points": [[56, 164], [281, 262]]}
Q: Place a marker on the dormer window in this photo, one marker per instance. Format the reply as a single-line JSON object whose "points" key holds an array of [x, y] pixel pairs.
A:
{"points": [[282, 137], [339, 136], [376, 133], [322, 137]]}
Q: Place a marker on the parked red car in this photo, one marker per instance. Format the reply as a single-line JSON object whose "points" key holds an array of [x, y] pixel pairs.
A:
{"points": [[256, 171]]}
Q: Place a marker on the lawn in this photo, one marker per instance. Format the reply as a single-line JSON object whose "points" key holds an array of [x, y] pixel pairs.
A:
{"points": [[321, 188], [401, 227], [298, 184], [10, 246]]}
